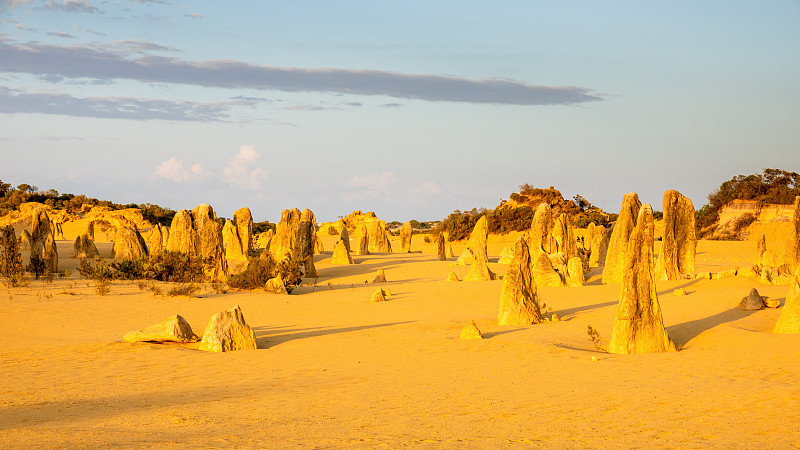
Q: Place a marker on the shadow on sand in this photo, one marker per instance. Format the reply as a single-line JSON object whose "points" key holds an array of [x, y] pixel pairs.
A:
{"points": [[682, 333], [684, 285], [266, 339]]}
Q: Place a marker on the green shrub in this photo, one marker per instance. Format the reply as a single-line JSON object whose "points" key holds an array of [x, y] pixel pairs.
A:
{"points": [[290, 272], [11, 268], [186, 289]]}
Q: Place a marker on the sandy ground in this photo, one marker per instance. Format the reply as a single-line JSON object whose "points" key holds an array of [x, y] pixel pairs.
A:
{"points": [[335, 371]]}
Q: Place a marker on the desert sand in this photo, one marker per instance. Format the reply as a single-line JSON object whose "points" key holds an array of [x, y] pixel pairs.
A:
{"points": [[333, 370]]}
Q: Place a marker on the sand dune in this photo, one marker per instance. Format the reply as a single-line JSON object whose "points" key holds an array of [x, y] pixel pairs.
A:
{"points": [[333, 370]]}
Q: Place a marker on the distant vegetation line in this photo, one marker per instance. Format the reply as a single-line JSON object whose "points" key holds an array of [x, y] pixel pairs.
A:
{"points": [[774, 186]]}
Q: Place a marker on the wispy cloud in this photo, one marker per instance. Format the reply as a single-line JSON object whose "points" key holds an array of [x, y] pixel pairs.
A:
{"points": [[111, 63], [60, 34], [96, 33], [174, 170], [240, 172], [79, 6], [19, 101], [195, 16]]}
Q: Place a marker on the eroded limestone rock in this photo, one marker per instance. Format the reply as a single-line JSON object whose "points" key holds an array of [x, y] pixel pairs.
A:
{"points": [[380, 276], [378, 240], [620, 235], [678, 247], [478, 240], [84, 247], [276, 285], [789, 320], [344, 237], [575, 276], [639, 326], [209, 242], [519, 304], [544, 275], [452, 277], [172, 329], [378, 296], [156, 240], [541, 226], [752, 302], [243, 221], [227, 331], [182, 235], [363, 240], [506, 255], [406, 231], [42, 240], [470, 331], [440, 247], [790, 254], [466, 258], [340, 254], [128, 242], [479, 271]]}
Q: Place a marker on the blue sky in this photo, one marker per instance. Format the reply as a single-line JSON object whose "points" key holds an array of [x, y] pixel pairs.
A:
{"points": [[408, 109]]}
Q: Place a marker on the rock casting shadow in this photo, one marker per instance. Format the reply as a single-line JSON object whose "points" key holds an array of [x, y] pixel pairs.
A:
{"points": [[683, 333]]}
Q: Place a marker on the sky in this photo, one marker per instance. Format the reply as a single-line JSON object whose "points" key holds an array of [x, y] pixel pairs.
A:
{"points": [[411, 109]]}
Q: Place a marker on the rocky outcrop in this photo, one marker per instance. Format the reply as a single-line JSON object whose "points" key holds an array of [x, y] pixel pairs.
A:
{"points": [[470, 331], [340, 254], [599, 247], [544, 275], [506, 255], [789, 320], [362, 237], [306, 239], [478, 240], [519, 304], [284, 242], [620, 235], [10, 256], [790, 254], [639, 326], [466, 258], [406, 232], [128, 242], [380, 276], [243, 221], [378, 296], [42, 240], [678, 246], [441, 243], [344, 237], [231, 242], [378, 240], [209, 242], [156, 240], [541, 226], [276, 285], [479, 271], [263, 240], [227, 331], [752, 302], [172, 329], [182, 235], [563, 237], [575, 276], [84, 248]]}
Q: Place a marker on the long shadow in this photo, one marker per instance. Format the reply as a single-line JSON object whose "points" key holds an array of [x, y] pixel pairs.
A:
{"points": [[566, 312], [498, 333], [685, 332], [271, 340], [684, 285], [361, 268]]}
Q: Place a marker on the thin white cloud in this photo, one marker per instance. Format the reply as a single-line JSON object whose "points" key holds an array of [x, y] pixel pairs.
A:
{"points": [[195, 16], [174, 170], [113, 63], [240, 172], [60, 34]]}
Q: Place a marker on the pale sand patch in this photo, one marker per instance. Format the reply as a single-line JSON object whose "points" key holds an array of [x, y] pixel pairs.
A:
{"points": [[334, 370]]}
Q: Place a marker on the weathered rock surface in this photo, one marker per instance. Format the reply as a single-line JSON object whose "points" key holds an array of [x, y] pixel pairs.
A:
{"points": [[156, 240], [600, 239], [172, 329], [575, 276], [790, 254], [639, 326], [285, 240], [479, 271], [563, 237], [466, 258], [506, 255], [441, 242], [620, 235], [42, 240], [182, 235], [541, 226], [519, 304], [10, 256], [378, 296], [362, 248], [340, 254], [344, 237], [263, 240], [478, 240], [209, 242], [243, 221], [752, 302], [789, 320], [276, 285], [378, 240], [452, 277], [231, 242], [380, 276], [227, 331], [84, 247], [470, 331], [306, 239], [406, 231], [678, 247], [128, 242], [543, 273]]}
